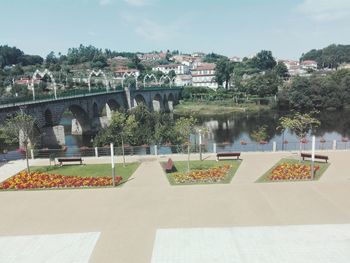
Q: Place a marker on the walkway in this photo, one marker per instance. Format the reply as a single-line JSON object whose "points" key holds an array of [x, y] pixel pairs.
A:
{"points": [[129, 217]]}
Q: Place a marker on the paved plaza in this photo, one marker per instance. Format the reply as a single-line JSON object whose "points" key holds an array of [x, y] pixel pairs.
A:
{"points": [[129, 217]]}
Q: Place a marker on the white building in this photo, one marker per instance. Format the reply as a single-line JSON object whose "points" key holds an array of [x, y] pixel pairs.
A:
{"points": [[179, 69], [236, 59], [183, 80], [204, 76], [124, 72], [152, 56], [308, 65]]}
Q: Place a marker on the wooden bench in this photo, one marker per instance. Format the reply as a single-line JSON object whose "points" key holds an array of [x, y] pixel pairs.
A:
{"points": [[317, 156], [228, 154], [169, 167], [69, 160]]}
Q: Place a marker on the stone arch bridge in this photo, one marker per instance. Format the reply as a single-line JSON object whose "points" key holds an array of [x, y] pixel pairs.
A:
{"points": [[90, 111]]}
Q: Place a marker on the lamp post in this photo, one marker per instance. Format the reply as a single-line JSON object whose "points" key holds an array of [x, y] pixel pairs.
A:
{"points": [[113, 164], [200, 144]]}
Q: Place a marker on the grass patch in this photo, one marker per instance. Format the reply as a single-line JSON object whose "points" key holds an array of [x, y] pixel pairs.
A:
{"points": [[323, 167], [181, 167], [90, 170], [216, 107]]}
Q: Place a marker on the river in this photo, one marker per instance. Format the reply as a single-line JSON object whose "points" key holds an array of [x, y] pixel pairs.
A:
{"points": [[233, 131]]}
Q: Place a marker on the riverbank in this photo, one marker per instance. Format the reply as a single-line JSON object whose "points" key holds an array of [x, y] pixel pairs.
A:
{"points": [[216, 107]]}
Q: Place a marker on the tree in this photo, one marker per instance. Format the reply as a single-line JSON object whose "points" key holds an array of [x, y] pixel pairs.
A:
{"points": [[51, 58], [259, 134], [20, 128], [281, 70], [263, 85], [183, 129], [300, 124], [121, 130], [264, 60], [223, 71], [213, 58]]}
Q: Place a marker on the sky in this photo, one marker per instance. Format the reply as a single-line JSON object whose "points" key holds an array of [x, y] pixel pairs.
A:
{"points": [[230, 27]]}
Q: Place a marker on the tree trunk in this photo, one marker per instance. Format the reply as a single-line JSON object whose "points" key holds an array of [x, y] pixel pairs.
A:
{"points": [[300, 148], [27, 158]]}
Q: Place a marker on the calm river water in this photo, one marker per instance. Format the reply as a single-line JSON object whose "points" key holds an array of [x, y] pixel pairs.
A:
{"points": [[232, 133], [233, 130]]}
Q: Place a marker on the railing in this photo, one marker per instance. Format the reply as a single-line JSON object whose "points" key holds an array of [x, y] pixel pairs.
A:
{"points": [[176, 149], [11, 102]]}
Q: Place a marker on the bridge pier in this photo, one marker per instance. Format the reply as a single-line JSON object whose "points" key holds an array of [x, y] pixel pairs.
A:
{"points": [[77, 129], [171, 105], [53, 136], [156, 105]]}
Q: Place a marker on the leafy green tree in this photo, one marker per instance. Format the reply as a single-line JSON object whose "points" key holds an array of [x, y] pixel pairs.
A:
{"points": [[223, 72], [259, 135], [281, 70], [300, 124], [20, 128], [264, 60], [120, 131], [263, 85], [213, 58], [51, 58], [329, 57]]}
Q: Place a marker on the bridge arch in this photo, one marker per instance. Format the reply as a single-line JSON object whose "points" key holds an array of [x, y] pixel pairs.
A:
{"points": [[111, 106], [95, 111], [163, 79], [150, 77], [139, 99], [48, 118], [81, 121], [157, 102], [98, 73], [43, 74], [127, 75], [165, 103]]}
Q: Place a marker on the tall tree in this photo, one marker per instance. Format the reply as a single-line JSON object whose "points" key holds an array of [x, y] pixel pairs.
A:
{"points": [[184, 127], [264, 60], [300, 124], [20, 128], [223, 72]]}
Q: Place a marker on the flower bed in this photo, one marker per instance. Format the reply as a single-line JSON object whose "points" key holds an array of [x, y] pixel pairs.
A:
{"points": [[212, 175], [39, 180], [291, 171]]}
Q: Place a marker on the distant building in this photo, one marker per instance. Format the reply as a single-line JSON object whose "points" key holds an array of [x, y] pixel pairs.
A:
{"points": [[293, 67], [308, 65], [236, 59], [204, 76], [186, 60], [344, 66], [152, 56], [179, 69], [183, 80], [27, 81], [198, 54], [121, 72]]}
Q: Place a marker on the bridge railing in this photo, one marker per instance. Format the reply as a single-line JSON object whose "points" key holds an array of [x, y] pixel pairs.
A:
{"points": [[175, 149], [13, 101]]}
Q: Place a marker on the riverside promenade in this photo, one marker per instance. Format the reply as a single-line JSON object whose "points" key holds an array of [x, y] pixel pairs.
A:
{"points": [[128, 218]]}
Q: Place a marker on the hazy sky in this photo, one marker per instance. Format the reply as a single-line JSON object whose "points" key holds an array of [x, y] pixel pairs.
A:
{"points": [[229, 27]]}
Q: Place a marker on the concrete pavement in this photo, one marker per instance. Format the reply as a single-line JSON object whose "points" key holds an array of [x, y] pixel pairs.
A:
{"points": [[128, 217]]}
